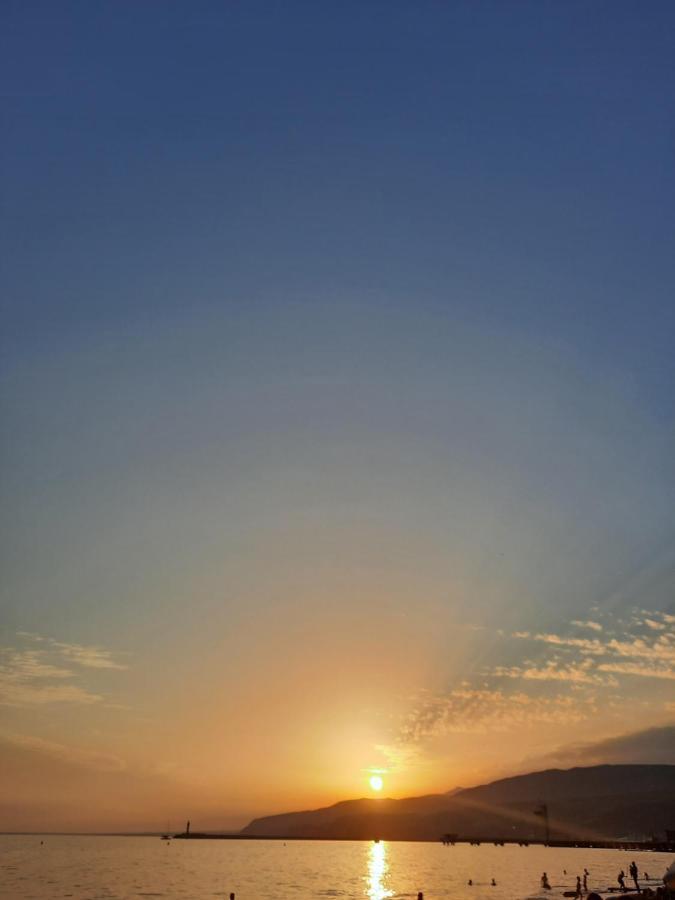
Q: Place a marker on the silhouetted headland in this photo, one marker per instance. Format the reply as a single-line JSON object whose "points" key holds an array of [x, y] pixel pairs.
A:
{"points": [[599, 806]]}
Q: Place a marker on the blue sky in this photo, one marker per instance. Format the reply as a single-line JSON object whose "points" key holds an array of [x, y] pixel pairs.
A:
{"points": [[332, 318]]}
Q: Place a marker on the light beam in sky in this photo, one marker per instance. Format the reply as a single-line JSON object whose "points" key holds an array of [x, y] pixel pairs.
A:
{"points": [[407, 450]]}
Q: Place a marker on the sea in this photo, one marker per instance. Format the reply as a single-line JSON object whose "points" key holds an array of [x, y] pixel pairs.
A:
{"points": [[47, 867]]}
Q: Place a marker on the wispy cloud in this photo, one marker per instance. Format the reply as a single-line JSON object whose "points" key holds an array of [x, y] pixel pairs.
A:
{"points": [[47, 671], [469, 710], [585, 645], [27, 678], [575, 677], [642, 670], [17, 694], [652, 745], [552, 670], [25, 664], [102, 762], [594, 626], [89, 657], [649, 654]]}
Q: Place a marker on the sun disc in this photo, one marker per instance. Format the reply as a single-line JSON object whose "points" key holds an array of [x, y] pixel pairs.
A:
{"points": [[376, 782]]}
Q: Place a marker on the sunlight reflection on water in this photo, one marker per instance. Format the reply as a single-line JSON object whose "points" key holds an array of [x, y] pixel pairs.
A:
{"points": [[377, 872]]}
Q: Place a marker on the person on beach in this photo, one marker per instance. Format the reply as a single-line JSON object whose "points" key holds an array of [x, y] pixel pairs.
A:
{"points": [[578, 888], [633, 869], [621, 878], [586, 874], [544, 882]]}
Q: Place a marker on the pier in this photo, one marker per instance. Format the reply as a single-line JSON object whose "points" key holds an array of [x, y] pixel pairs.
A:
{"points": [[451, 839]]}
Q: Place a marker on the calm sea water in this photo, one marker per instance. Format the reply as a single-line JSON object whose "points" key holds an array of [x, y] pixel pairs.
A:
{"points": [[115, 868]]}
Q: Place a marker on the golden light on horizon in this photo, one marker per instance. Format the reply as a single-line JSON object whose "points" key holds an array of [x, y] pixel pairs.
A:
{"points": [[376, 782]]}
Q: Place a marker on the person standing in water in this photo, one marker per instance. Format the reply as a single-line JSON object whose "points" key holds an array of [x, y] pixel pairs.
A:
{"points": [[633, 869], [544, 882], [586, 874], [621, 880], [577, 890]]}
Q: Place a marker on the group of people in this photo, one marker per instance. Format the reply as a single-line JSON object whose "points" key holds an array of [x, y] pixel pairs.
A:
{"points": [[581, 888], [633, 872], [582, 882]]}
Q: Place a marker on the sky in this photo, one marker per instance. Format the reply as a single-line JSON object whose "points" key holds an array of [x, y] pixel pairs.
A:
{"points": [[337, 400]]}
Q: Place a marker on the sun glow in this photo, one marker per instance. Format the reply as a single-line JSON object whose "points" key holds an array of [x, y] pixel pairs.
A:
{"points": [[376, 782]]}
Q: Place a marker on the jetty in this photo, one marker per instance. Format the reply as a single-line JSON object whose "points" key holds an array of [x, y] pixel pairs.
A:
{"points": [[449, 840]]}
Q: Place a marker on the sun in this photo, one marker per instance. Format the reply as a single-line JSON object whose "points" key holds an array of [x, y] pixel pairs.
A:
{"points": [[376, 782]]}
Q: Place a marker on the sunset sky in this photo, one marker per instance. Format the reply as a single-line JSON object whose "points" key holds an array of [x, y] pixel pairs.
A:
{"points": [[337, 404]]}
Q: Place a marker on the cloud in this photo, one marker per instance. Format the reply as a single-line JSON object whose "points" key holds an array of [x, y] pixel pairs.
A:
{"points": [[663, 648], [585, 645], [553, 671], [99, 762], [472, 710], [89, 657], [39, 695], [44, 673], [64, 787], [643, 655], [574, 679], [399, 756], [652, 745], [19, 665], [28, 679], [594, 626], [641, 670]]}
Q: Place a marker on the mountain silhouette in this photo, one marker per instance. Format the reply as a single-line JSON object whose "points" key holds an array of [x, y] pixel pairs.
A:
{"points": [[596, 802]]}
